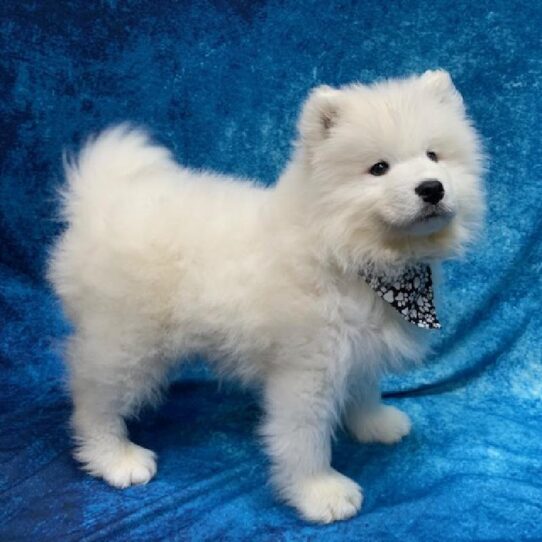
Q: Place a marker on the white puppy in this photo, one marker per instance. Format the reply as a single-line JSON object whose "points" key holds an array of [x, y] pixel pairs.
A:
{"points": [[270, 284]]}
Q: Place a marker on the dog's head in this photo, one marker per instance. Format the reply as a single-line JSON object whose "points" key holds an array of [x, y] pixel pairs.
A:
{"points": [[393, 170]]}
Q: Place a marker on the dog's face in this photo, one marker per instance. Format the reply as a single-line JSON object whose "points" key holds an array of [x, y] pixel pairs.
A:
{"points": [[394, 169]]}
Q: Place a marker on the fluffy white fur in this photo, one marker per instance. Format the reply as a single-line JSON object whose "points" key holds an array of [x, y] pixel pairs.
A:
{"points": [[159, 262]]}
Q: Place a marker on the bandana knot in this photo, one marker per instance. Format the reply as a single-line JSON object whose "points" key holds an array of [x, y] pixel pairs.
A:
{"points": [[410, 294]]}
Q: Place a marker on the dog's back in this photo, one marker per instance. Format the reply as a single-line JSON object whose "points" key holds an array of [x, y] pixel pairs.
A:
{"points": [[138, 224]]}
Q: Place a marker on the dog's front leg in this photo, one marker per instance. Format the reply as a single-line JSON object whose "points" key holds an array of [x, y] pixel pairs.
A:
{"points": [[301, 408], [368, 419]]}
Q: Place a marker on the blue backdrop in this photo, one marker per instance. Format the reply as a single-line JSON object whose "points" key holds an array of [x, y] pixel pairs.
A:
{"points": [[221, 84]]}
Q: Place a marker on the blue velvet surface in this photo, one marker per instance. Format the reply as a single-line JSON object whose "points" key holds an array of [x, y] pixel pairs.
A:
{"points": [[221, 83]]}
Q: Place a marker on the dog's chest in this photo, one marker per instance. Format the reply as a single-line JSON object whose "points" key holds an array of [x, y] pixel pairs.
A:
{"points": [[370, 326], [358, 307]]}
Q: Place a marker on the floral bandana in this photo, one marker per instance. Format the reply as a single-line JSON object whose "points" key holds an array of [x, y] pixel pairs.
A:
{"points": [[410, 294]]}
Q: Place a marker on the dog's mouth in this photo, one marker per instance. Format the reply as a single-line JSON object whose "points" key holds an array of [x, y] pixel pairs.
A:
{"points": [[433, 211], [429, 219]]}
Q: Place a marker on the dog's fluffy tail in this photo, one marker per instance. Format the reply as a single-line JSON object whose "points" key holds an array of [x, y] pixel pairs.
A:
{"points": [[113, 157]]}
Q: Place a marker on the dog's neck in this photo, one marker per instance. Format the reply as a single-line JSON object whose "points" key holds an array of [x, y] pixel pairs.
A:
{"points": [[409, 292]]}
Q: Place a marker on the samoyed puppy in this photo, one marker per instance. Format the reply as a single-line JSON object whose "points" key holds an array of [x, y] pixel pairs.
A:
{"points": [[270, 284]]}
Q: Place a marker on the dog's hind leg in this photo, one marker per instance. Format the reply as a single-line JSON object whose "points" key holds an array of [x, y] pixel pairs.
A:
{"points": [[111, 378]]}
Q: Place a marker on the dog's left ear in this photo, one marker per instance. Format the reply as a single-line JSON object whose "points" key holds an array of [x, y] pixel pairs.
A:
{"points": [[319, 114], [440, 83]]}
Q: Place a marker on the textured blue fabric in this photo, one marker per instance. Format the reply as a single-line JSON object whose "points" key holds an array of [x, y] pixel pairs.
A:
{"points": [[221, 83]]}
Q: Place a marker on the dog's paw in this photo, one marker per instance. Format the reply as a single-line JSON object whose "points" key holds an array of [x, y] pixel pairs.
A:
{"points": [[327, 497], [122, 466], [386, 424]]}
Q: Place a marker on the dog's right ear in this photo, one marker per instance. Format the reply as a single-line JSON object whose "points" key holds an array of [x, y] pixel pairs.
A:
{"points": [[319, 114]]}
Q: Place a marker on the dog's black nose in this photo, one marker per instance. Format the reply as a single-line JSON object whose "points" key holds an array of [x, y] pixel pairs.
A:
{"points": [[430, 190]]}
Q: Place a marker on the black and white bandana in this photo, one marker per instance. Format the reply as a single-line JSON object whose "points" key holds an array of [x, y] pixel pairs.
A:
{"points": [[410, 294]]}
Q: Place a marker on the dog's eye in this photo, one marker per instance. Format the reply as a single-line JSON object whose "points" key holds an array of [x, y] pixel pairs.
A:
{"points": [[432, 156], [380, 168]]}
